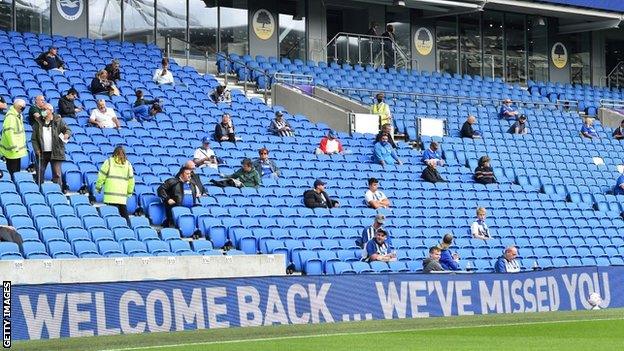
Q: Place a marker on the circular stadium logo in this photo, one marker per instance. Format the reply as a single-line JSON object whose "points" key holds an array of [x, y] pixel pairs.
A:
{"points": [[263, 24], [70, 9], [559, 55], [423, 40]]}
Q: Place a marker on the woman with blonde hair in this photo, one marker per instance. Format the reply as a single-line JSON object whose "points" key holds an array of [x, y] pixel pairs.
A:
{"points": [[116, 176], [101, 84]]}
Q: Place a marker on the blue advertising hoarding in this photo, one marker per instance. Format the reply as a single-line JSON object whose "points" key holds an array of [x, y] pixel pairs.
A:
{"points": [[73, 310]]}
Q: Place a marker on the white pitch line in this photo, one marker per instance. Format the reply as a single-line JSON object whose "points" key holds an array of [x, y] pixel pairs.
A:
{"points": [[358, 333]]}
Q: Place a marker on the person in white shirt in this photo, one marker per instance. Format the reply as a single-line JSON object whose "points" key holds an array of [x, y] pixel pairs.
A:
{"points": [[375, 198], [205, 156], [104, 117], [479, 229], [163, 75]]}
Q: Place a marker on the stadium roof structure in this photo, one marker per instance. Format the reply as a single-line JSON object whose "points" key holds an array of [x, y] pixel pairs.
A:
{"points": [[575, 15]]}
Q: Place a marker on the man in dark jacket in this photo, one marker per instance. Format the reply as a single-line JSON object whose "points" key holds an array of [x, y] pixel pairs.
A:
{"points": [[114, 73], [181, 190], [386, 129], [317, 197], [430, 173], [448, 260], [467, 131], [48, 145], [190, 164], [67, 103], [50, 60], [432, 263], [224, 131]]}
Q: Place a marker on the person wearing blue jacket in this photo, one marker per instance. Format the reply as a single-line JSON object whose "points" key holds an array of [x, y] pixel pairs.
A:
{"points": [[433, 153], [448, 260], [385, 153], [508, 263]]}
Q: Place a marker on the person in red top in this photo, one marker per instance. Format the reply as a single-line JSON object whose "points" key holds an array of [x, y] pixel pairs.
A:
{"points": [[330, 144]]}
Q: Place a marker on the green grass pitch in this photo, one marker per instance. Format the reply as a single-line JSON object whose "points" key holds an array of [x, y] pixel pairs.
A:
{"points": [[579, 330]]}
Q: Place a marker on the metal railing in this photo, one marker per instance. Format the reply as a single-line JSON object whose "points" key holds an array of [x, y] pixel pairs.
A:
{"points": [[293, 78], [612, 103], [169, 40], [265, 95], [615, 78], [565, 104], [365, 49]]}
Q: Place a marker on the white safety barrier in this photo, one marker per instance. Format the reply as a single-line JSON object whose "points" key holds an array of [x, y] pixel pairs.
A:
{"points": [[99, 270]]}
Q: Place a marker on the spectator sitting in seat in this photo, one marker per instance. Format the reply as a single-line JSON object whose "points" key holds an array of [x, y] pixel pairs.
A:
{"points": [[520, 126], [374, 197], [114, 73], [467, 131], [3, 105], [116, 177], [386, 129], [448, 259], [432, 263], [369, 233], [145, 113], [141, 100], [378, 249], [104, 117], [618, 189], [479, 229], [384, 153], [205, 156], [508, 263], [318, 198], [48, 145], [382, 109], [618, 133], [430, 173], [51, 60], [330, 144], [433, 153], [246, 176], [67, 104], [181, 190], [506, 111], [35, 111], [221, 94], [102, 85], [280, 127], [163, 75], [588, 130], [484, 173], [266, 167], [224, 131]]}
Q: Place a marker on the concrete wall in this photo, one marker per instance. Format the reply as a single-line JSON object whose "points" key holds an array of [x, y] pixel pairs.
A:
{"points": [[316, 18], [296, 102], [598, 59], [94, 270], [341, 101], [610, 118]]}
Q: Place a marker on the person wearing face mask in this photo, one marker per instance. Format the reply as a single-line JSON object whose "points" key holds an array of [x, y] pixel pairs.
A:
{"points": [[13, 140], [35, 110], [384, 153], [382, 109], [48, 141]]}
